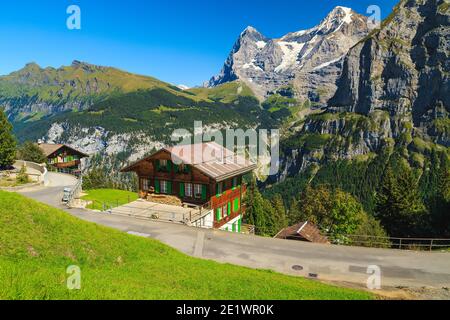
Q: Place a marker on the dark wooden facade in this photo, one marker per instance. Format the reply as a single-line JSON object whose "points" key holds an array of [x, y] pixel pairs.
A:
{"points": [[158, 174], [63, 158]]}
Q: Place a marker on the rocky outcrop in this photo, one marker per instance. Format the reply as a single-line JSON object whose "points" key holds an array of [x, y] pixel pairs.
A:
{"points": [[402, 68], [103, 146], [309, 60]]}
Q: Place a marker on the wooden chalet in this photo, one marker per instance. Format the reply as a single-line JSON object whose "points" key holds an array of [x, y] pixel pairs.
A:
{"points": [[206, 175], [63, 158]]}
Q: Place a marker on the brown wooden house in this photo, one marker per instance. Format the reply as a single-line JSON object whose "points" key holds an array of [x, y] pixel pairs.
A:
{"points": [[213, 180], [63, 158]]}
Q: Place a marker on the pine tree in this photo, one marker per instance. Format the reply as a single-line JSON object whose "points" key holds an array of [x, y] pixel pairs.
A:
{"points": [[398, 203], [440, 202], [294, 214], [259, 211], [280, 218], [7, 142]]}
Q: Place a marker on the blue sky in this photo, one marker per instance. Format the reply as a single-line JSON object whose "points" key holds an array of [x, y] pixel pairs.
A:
{"points": [[178, 41]]}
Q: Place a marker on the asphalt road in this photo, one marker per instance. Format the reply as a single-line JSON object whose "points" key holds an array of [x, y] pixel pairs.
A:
{"points": [[326, 262]]}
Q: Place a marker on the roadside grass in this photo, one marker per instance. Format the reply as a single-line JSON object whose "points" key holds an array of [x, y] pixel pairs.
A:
{"points": [[110, 198], [38, 243]]}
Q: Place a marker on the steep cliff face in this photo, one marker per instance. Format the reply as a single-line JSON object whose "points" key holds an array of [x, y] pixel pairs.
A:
{"points": [[402, 68], [393, 94], [309, 60]]}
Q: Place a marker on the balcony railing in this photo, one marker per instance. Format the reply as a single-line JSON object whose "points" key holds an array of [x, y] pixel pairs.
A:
{"points": [[68, 164]]}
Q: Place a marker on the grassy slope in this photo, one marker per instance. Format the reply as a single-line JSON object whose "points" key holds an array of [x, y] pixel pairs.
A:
{"points": [[227, 92], [37, 243], [110, 197]]}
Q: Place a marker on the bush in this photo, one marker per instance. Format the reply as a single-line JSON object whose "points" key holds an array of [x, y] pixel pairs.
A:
{"points": [[22, 177]]}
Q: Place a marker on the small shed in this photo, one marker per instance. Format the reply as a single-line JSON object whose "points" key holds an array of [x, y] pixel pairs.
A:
{"points": [[303, 231]]}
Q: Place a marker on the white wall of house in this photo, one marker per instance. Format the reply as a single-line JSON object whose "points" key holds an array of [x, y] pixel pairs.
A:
{"points": [[229, 225]]}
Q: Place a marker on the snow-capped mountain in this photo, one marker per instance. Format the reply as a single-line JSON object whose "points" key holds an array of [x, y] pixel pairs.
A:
{"points": [[309, 60]]}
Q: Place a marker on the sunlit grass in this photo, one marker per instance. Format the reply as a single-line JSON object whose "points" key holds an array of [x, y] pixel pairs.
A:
{"points": [[38, 243]]}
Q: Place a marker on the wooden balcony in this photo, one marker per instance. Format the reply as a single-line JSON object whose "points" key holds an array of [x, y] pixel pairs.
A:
{"points": [[70, 164]]}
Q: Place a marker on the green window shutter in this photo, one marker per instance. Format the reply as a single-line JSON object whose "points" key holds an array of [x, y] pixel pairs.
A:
{"points": [[182, 193], [229, 208], [169, 187], [234, 227], [157, 165], [187, 169], [240, 225], [175, 168], [204, 192], [218, 214], [169, 165], [157, 186], [236, 204]]}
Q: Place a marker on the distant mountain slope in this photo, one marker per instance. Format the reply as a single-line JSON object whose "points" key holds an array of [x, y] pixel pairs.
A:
{"points": [[310, 60], [34, 92]]}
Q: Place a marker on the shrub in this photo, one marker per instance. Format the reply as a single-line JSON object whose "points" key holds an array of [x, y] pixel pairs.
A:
{"points": [[22, 177]]}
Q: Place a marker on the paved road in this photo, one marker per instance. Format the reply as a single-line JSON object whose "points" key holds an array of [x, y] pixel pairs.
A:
{"points": [[331, 263], [53, 192]]}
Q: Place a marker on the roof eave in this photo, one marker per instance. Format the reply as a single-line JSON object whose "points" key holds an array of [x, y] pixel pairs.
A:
{"points": [[235, 173]]}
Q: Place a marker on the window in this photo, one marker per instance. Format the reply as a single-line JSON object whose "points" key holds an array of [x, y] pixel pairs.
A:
{"points": [[224, 211], [188, 190], [219, 189], [163, 165], [235, 183], [198, 191], [144, 184], [166, 187]]}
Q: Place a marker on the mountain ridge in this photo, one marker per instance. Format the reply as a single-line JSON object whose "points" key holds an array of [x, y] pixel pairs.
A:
{"points": [[34, 91], [308, 60]]}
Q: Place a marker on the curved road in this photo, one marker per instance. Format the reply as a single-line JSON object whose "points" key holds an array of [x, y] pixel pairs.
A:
{"points": [[326, 262]]}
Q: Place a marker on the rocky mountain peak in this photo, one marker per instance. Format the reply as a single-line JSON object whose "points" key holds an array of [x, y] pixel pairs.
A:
{"points": [[267, 64], [251, 35], [249, 30], [87, 67], [32, 65]]}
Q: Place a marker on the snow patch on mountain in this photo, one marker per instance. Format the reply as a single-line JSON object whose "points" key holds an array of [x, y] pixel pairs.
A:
{"points": [[291, 51]]}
